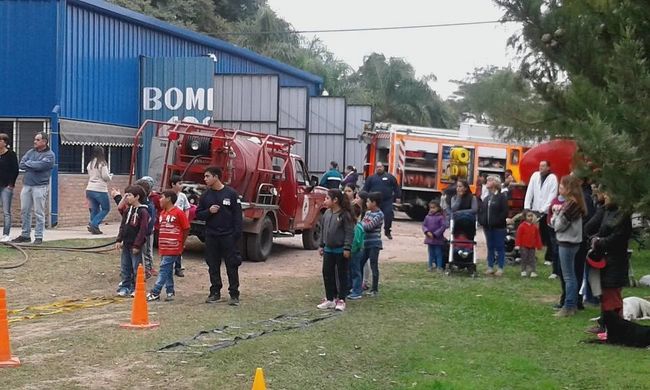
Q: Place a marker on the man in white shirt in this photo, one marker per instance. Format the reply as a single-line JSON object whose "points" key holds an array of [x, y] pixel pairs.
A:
{"points": [[542, 189]]}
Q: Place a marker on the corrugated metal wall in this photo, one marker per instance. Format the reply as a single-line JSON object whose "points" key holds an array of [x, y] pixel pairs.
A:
{"points": [[248, 102], [355, 151], [28, 58], [293, 116], [101, 64], [326, 140]]}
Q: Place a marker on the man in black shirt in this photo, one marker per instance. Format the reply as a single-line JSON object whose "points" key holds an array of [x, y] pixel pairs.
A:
{"points": [[385, 183], [220, 208]]}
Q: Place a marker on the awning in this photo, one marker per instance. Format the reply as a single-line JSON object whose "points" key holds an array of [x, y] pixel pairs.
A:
{"points": [[90, 133]]}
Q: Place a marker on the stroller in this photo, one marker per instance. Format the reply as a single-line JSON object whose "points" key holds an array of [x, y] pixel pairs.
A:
{"points": [[462, 247]]}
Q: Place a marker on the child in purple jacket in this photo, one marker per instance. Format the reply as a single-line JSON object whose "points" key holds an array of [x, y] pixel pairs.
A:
{"points": [[434, 227]]}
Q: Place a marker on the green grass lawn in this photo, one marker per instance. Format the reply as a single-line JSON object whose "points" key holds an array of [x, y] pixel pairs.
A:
{"points": [[425, 331]]}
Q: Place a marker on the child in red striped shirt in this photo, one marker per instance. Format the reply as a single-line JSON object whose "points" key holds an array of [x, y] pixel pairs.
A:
{"points": [[173, 230]]}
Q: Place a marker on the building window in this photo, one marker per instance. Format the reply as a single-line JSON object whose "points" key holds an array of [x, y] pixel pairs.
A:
{"points": [[74, 158], [71, 158], [120, 159]]}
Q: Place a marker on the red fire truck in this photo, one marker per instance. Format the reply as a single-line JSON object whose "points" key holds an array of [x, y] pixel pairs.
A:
{"points": [[279, 199]]}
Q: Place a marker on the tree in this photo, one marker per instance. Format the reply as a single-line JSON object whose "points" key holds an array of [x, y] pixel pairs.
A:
{"points": [[500, 97], [397, 95], [587, 59]]}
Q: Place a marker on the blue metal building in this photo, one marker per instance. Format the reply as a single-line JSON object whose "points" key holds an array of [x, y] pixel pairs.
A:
{"points": [[74, 68]]}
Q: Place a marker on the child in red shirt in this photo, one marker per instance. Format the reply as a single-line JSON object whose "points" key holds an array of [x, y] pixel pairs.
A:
{"points": [[528, 240], [173, 230]]}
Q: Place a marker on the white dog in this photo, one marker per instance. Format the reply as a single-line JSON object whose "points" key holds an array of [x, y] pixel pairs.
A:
{"points": [[635, 308]]}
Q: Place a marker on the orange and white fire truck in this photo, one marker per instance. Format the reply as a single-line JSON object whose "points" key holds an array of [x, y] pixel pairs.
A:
{"points": [[424, 159]]}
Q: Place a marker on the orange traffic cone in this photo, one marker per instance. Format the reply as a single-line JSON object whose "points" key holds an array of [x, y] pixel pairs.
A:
{"points": [[139, 311], [258, 382], [6, 360]]}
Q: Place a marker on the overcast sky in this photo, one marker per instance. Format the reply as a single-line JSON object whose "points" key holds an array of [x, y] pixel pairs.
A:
{"points": [[449, 52]]}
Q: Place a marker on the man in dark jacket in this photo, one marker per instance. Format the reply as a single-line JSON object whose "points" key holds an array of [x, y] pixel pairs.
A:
{"points": [[386, 184], [492, 216], [220, 208], [613, 228]]}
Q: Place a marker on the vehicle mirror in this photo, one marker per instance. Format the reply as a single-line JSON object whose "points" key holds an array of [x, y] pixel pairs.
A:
{"points": [[313, 181]]}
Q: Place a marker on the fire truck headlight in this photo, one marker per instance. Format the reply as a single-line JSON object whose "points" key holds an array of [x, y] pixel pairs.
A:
{"points": [[195, 145]]}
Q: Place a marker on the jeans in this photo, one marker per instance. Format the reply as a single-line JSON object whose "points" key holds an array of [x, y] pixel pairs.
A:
{"points": [[166, 275], [356, 273], [6, 193], [496, 242], [129, 263], [99, 207], [33, 197], [147, 253], [389, 215], [335, 276], [435, 256], [218, 249], [372, 255], [567, 254]]}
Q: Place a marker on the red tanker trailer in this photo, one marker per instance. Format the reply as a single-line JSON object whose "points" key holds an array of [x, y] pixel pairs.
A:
{"points": [[560, 153], [278, 197]]}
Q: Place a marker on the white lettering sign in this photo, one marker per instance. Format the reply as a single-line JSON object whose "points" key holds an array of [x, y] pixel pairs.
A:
{"points": [[174, 98]]}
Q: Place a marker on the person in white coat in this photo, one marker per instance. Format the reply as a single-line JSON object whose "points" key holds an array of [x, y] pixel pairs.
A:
{"points": [[542, 189]]}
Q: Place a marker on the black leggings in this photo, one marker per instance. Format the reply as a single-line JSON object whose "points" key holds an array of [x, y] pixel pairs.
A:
{"points": [[335, 269]]}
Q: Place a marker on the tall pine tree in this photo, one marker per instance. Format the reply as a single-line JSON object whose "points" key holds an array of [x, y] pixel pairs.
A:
{"points": [[587, 59]]}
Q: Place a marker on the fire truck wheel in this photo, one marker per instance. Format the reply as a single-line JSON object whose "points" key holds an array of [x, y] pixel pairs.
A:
{"points": [[311, 237], [258, 246], [417, 213]]}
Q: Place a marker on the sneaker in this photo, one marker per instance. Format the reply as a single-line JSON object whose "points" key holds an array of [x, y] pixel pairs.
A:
{"points": [[132, 295], [547, 262], [499, 272], [95, 230], [524, 274], [325, 304], [122, 292], [20, 239], [170, 297], [489, 271], [565, 312], [179, 272], [37, 241], [153, 297], [430, 269], [595, 330], [533, 274], [233, 301], [552, 276], [213, 298], [372, 293], [389, 236], [340, 305], [5, 239], [354, 297]]}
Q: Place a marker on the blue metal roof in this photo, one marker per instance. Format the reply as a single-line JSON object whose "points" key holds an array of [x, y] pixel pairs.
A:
{"points": [[134, 17]]}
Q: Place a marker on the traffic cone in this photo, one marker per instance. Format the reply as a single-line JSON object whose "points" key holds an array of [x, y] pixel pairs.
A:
{"points": [[139, 310], [258, 382], [6, 360]]}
